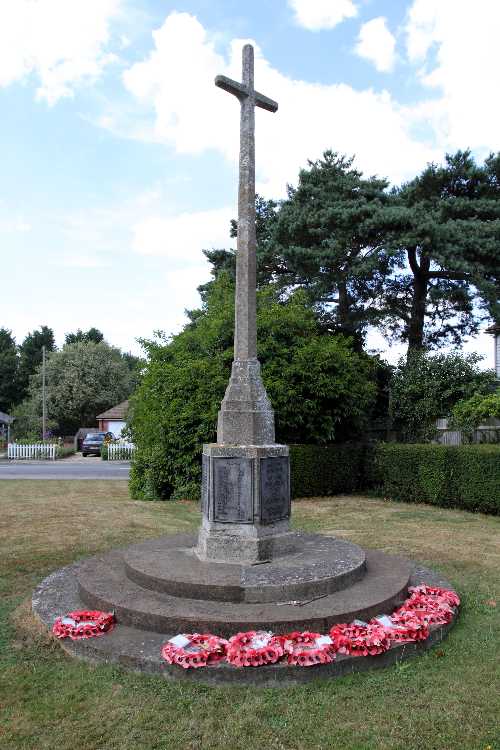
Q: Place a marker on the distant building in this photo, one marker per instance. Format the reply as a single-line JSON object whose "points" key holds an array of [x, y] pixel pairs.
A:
{"points": [[495, 332], [114, 419]]}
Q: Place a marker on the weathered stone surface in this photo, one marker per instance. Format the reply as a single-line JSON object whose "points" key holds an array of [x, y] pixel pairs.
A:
{"points": [[139, 650], [316, 565], [274, 489], [246, 416], [103, 584], [236, 528], [233, 490]]}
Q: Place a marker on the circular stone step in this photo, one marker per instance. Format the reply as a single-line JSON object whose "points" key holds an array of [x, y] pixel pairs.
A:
{"points": [[103, 584], [320, 565], [139, 650]]}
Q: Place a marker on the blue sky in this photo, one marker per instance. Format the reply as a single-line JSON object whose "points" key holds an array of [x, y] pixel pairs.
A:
{"points": [[119, 155]]}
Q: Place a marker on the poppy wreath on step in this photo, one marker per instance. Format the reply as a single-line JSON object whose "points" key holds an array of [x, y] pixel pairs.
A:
{"points": [[432, 606], [307, 649], [434, 592], [407, 629], [194, 650], [83, 623], [360, 639], [254, 649]]}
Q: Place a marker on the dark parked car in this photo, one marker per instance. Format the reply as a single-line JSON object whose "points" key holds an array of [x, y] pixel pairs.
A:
{"points": [[94, 441]]}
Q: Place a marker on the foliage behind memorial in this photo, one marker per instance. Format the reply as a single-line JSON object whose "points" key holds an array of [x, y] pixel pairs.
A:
{"points": [[322, 391], [468, 414], [419, 261], [425, 387]]}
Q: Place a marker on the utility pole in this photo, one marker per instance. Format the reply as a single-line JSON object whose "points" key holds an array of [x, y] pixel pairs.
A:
{"points": [[44, 406]]}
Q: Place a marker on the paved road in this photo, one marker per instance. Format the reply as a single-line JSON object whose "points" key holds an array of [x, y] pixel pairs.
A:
{"points": [[67, 468]]}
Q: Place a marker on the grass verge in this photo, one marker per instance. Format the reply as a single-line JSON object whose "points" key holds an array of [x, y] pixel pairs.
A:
{"points": [[444, 700]]}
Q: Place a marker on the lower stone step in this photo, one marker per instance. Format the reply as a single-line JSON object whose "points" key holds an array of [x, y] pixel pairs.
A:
{"points": [[103, 584]]}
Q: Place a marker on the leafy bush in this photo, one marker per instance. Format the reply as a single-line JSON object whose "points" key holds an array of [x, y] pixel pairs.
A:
{"points": [[104, 451], [467, 415], [322, 391], [426, 387], [466, 476]]}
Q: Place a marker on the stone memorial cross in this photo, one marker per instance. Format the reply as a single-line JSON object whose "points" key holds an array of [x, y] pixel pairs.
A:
{"points": [[246, 416], [246, 475], [245, 326]]}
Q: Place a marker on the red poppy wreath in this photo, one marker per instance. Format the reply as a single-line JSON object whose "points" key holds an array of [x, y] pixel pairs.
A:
{"points": [[83, 624], [254, 649], [194, 650], [307, 649], [360, 638]]}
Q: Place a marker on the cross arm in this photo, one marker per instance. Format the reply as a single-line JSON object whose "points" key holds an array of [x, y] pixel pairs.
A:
{"points": [[233, 87], [241, 92], [265, 102]]}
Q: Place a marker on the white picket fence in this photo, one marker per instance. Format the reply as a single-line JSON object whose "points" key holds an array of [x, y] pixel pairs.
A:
{"points": [[120, 451], [35, 450]]}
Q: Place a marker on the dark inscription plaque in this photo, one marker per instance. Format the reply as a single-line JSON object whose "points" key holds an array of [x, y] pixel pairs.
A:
{"points": [[274, 489], [205, 470], [233, 490]]}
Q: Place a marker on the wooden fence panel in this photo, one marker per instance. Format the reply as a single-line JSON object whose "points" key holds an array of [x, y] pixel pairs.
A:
{"points": [[47, 451]]}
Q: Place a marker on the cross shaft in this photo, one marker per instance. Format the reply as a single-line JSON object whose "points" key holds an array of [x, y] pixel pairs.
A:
{"points": [[245, 335]]}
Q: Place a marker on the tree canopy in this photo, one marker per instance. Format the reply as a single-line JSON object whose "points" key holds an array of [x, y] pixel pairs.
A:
{"points": [[83, 379], [419, 262], [93, 334], [9, 371], [30, 355], [447, 235]]}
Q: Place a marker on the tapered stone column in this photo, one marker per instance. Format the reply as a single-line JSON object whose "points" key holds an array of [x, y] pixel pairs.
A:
{"points": [[246, 476]]}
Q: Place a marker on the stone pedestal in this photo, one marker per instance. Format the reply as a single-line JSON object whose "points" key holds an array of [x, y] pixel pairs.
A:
{"points": [[246, 416], [245, 503]]}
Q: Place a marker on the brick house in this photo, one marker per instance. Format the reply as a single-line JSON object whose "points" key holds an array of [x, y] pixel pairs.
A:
{"points": [[114, 419]]}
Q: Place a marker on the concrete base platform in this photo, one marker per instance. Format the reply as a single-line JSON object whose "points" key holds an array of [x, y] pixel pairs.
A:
{"points": [[138, 649]]}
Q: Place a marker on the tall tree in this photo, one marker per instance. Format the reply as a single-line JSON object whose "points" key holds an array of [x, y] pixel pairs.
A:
{"points": [[9, 371], [331, 232], [93, 334], [447, 235], [30, 354]]}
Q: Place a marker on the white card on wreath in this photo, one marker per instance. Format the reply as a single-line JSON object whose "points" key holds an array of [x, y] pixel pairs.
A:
{"points": [[180, 641]]}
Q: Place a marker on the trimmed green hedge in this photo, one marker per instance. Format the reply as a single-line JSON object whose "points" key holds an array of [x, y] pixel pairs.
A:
{"points": [[318, 471], [465, 476]]}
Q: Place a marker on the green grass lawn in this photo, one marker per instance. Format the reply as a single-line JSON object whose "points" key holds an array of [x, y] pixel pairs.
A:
{"points": [[448, 699]]}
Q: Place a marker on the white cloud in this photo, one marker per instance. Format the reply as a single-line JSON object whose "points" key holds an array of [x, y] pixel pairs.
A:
{"points": [[315, 15], [177, 82], [14, 225], [455, 43], [182, 238], [61, 42], [377, 44]]}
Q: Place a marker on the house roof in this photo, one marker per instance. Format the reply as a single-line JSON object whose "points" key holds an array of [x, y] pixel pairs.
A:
{"points": [[116, 412], [494, 329], [5, 418]]}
